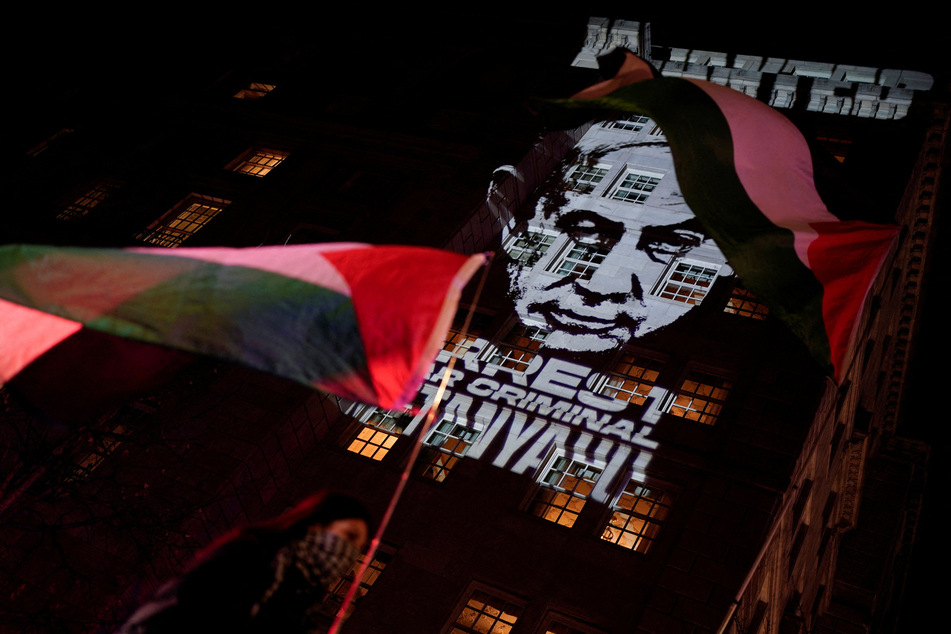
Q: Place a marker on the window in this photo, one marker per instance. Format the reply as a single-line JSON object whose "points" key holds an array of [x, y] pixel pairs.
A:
{"points": [[529, 246], [44, 145], [486, 614], [458, 343], [518, 347], [700, 397], [85, 203], [634, 123], [258, 162], [254, 91], [584, 177], [565, 486], [183, 221], [447, 443], [638, 516], [634, 186], [103, 444], [377, 432], [632, 378], [580, 259], [743, 303], [338, 592], [686, 282]]}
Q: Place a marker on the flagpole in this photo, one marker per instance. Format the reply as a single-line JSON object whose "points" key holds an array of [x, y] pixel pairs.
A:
{"points": [[414, 454]]}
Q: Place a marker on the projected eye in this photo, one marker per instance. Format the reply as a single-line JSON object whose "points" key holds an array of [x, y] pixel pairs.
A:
{"points": [[669, 245]]}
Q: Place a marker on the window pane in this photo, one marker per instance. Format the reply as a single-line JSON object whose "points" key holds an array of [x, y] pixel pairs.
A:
{"points": [[700, 397], [638, 516], [486, 614], [565, 487]]}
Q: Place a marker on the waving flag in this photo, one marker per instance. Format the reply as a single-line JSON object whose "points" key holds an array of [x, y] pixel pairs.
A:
{"points": [[746, 172], [359, 321]]}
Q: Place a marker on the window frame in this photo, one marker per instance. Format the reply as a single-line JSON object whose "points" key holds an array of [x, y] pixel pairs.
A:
{"points": [[535, 250], [632, 384], [483, 591], [371, 434], [254, 90], [84, 204], [743, 303], [333, 600], [548, 496], [579, 258], [651, 520], [710, 412], [636, 192], [633, 123], [162, 232], [684, 291], [515, 355], [592, 177], [273, 158], [439, 461]]}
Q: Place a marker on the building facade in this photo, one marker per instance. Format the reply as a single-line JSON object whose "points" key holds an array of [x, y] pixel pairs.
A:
{"points": [[628, 441]]}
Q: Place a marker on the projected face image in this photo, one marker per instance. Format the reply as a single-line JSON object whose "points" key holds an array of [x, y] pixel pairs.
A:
{"points": [[595, 293]]}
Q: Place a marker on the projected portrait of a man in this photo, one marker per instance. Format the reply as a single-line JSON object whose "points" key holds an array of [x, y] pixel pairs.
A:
{"points": [[611, 253]]}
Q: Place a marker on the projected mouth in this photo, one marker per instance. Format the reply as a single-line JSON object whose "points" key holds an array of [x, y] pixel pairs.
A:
{"points": [[569, 321]]}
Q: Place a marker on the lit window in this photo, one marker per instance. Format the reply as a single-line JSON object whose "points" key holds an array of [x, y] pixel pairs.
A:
{"points": [[378, 431], [632, 378], [686, 282], [637, 518], [700, 397], [446, 444], [85, 203], [634, 123], [458, 343], [259, 162], [338, 592], [528, 247], [634, 186], [183, 221], [518, 347], [584, 177], [254, 91], [743, 303], [565, 486], [580, 260], [486, 614]]}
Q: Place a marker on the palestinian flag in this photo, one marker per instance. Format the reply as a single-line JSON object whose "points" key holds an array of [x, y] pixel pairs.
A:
{"points": [[359, 321], [746, 171]]}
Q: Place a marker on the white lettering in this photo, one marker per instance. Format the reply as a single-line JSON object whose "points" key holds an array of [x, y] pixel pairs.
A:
{"points": [[560, 378]]}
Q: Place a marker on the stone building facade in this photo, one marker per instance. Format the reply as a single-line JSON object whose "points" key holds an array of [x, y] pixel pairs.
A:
{"points": [[628, 442]]}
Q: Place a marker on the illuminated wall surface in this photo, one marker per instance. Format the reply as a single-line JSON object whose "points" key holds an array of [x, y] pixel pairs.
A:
{"points": [[609, 253], [605, 253]]}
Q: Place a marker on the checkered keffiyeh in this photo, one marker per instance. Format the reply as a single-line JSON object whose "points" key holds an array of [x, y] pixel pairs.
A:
{"points": [[309, 565]]}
